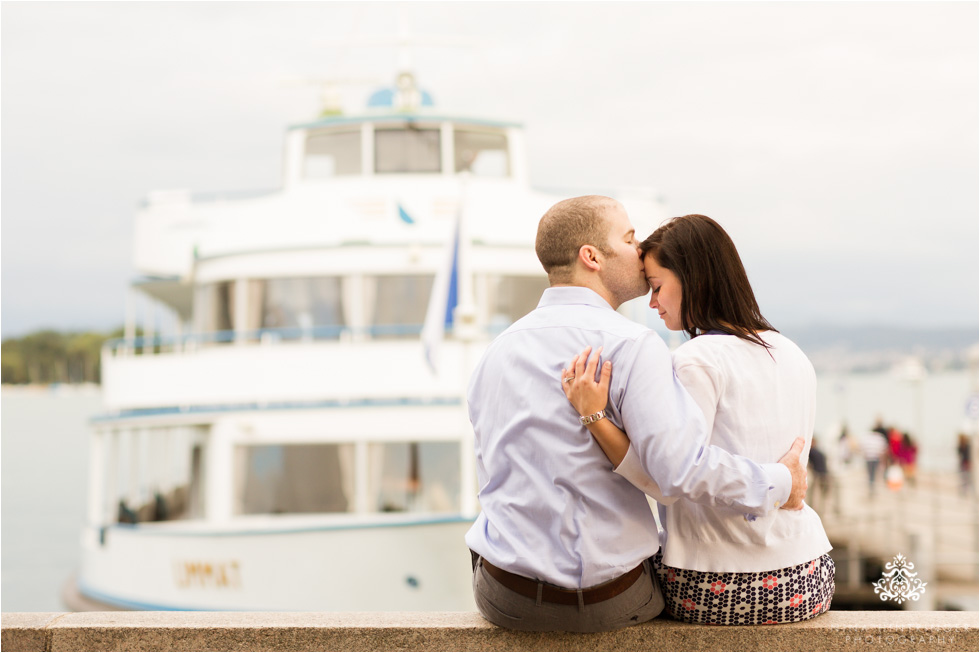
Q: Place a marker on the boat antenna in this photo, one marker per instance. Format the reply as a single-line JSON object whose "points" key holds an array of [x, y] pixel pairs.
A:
{"points": [[331, 103], [408, 96]]}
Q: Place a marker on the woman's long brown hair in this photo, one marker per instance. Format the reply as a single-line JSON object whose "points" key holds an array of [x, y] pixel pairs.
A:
{"points": [[715, 291]]}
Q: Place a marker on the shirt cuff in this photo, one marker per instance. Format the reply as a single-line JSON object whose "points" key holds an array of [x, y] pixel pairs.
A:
{"points": [[780, 484]]}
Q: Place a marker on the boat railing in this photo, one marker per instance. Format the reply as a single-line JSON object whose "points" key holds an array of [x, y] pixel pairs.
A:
{"points": [[183, 196], [186, 343]]}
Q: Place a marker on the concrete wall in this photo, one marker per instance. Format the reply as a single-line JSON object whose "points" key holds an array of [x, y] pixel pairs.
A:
{"points": [[465, 631]]}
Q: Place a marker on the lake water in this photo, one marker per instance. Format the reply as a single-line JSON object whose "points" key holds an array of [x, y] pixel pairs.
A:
{"points": [[932, 410], [44, 473], [45, 451]]}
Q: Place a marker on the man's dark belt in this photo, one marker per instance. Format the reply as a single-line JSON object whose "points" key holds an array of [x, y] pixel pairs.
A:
{"points": [[551, 594]]}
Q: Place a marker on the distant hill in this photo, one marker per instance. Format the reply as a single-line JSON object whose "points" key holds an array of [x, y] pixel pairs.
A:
{"points": [[867, 338], [875, 347]]}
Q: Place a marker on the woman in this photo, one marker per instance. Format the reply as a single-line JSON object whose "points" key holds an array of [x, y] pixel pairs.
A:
{"points": [[758, 392]]}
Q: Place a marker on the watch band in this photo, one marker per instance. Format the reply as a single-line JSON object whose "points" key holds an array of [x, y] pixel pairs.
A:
{"points": [[594, 417]]}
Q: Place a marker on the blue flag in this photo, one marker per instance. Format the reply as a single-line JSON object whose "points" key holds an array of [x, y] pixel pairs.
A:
{"points": [[443, 300], [403, 214]]}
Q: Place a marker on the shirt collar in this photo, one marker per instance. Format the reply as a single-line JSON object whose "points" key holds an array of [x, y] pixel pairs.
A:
{"points": [[568, 295]]}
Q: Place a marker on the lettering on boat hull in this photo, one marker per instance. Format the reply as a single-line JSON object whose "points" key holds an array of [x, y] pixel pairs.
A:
{"points": [[201, 574]]}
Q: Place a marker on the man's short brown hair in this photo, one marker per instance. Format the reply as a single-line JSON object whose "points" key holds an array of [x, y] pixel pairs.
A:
{"points": [[567, 226]]}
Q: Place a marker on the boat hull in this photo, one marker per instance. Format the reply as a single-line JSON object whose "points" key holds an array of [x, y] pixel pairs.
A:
{"points": [[394, 566]]}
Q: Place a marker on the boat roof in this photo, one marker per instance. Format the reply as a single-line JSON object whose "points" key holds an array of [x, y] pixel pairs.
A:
{"points": [[402, 116]]}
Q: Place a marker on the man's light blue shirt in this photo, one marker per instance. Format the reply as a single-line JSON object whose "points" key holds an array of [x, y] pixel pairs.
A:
{"points": [[552, 509]]}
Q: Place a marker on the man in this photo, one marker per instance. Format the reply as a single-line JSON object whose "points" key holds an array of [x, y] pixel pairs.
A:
{"points": [[561, 543]]}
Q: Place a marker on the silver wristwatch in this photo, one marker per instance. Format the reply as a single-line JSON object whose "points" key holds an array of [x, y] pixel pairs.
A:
{"points": [[594, 417]]}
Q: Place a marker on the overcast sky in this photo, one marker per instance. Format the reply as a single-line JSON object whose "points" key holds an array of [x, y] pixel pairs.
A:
{"points": [[836, 141]]}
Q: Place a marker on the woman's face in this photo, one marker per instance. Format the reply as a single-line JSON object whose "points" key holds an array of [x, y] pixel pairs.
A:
{"points": [[666, 296]]}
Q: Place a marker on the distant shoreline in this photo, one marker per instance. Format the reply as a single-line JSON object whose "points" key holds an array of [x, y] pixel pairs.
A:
{"points": [[51, 388]]}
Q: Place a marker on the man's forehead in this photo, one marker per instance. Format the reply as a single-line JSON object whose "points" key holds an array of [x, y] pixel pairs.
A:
{"points": [[619, 221]]}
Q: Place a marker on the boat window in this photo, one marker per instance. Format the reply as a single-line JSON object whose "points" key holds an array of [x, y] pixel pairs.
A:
{"points": [[332, 153], [408, 149], [156, 475], [214, 308], [305, 307], [129, 498], [512, 297], [399, 305], [483, 153], [298, 307], [414, 477], [297, 478], [195, 502]]}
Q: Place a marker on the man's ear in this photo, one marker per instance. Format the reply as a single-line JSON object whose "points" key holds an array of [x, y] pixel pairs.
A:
{"points": [[589, 256]]}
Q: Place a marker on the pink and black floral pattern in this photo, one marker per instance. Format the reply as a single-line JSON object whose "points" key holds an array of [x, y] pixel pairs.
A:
{"points": [[769, 597]]}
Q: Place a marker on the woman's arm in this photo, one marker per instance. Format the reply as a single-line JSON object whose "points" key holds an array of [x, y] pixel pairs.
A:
{"points": [[613, 442], [588, 397]]}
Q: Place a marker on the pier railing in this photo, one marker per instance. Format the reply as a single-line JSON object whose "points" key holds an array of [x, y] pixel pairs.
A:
{"points": [[465, 631], [930, 523]]}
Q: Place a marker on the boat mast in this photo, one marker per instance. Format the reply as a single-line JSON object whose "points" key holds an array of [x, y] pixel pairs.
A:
{"points": [[465, 328]]}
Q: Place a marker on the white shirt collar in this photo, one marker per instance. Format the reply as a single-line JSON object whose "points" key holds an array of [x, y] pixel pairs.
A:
{"points": [[563, 295]]}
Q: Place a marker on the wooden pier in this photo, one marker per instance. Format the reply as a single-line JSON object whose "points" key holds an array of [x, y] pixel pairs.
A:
{"points": [[927, 520]]}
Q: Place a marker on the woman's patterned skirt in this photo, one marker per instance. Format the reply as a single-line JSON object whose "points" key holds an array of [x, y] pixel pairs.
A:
{"points": [[734, 599]]}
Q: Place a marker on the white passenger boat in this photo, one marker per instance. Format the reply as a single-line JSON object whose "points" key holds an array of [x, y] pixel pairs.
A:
{"points": [[296, 444]]}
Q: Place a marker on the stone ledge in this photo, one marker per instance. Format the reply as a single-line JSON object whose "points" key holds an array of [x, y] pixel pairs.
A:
{"points": [[468, 631]]}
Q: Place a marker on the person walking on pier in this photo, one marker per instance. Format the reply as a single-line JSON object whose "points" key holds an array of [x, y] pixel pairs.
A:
{"points": [[817, 463], [562, 543], [908, 453], [756, 389], [965, 465], [874, 446]]}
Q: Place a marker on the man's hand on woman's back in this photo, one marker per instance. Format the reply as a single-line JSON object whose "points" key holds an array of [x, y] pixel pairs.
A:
{"points": [[798, 472]]}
